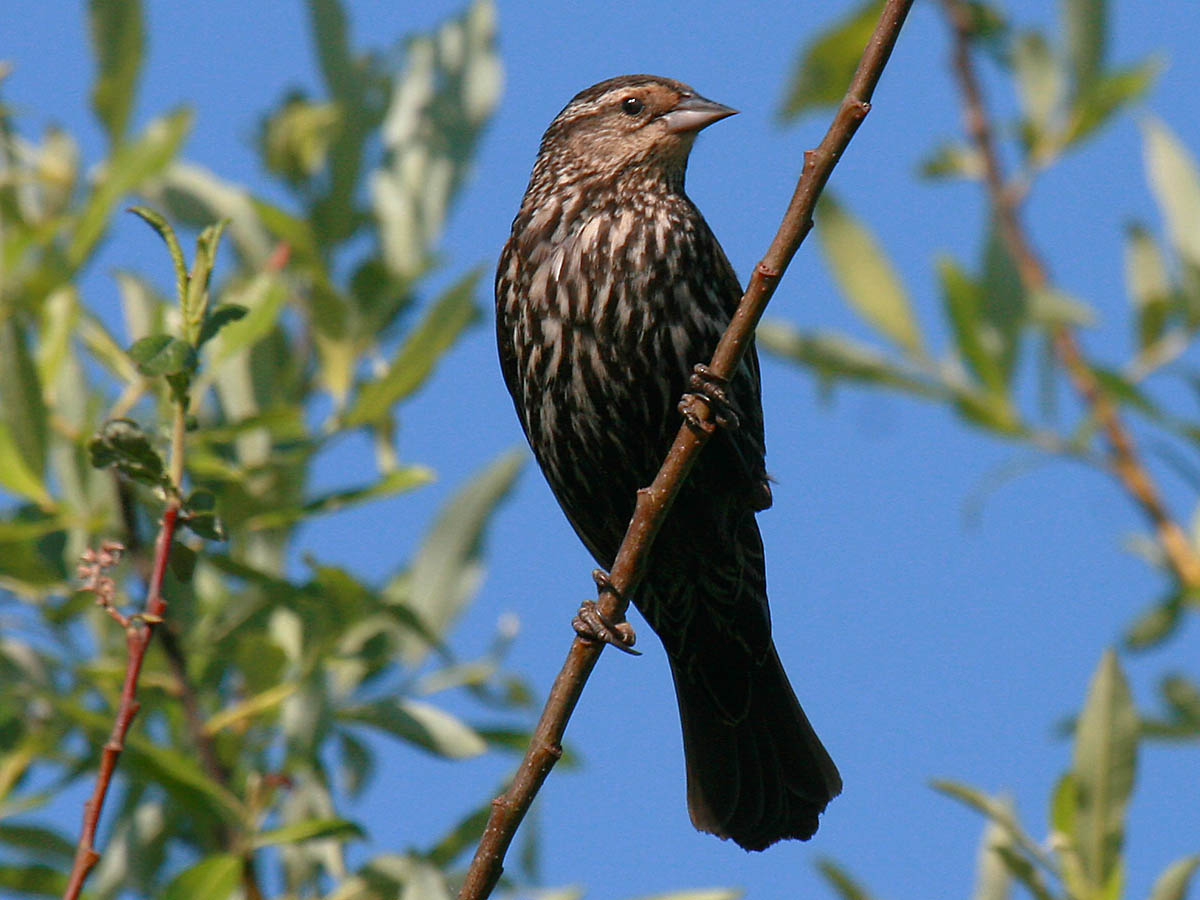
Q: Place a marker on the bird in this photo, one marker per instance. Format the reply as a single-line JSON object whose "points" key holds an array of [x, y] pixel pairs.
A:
{"points": [[611, 292]]}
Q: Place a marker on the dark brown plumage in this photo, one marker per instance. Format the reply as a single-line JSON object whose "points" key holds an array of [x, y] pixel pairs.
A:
{"points": [[610, 289]]}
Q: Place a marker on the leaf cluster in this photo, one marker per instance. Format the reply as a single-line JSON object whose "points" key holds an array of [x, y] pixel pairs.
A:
{"points": [[999, 372], [1001, 342], [275, 686]]}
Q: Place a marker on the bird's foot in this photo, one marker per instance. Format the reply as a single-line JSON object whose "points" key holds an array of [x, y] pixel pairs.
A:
{"points": [[589, 623], [707, 385]]}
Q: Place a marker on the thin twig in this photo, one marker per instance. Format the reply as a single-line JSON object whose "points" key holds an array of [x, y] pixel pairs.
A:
{"points": [[1123, 457], [654, 502], [193, 715], [137, 640], [139, 631]]}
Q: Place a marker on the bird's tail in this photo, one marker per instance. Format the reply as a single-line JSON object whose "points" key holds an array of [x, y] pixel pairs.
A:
{"points": [[762, 778]]}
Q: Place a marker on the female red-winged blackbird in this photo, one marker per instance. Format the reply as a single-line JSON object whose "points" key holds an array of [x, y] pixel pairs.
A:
{"points": [[609, 291]]}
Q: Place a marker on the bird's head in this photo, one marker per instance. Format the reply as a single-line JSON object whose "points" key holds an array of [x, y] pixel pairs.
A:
{"points": [[634, 122]]}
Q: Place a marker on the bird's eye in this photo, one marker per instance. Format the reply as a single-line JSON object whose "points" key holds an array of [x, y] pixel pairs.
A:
{"points": [[631, 106]]}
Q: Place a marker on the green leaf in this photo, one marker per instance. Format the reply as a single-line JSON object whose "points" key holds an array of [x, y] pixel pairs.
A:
{"points": [[57, 332], [35, 880], [201, 501], [347, 79], [1064, 806], [44, 843], [1103, 764], [841, 881], [23, 414], [999, 811], [833, 356], [1173, 883], [132, 164], [263, 300], [1176, 185], [465, 833], [194, 303], [1064, 838], [1183, 697], [1156, 624], [205, 525], [1022, 868], [356, 764], [951, 161], [250, 707], [988, 25], [420, 724], [448, 567], [218, 318], [342, 73], [30, 565], [1148, 284], [161, 354], [28, 530], [977, 342], [182, 560], [391, 875], [159, 223], [993, 880], [22, 408], [196, 196], [438, 106], [1106, 96], [331, 316], [15, 474], [1042, 86], [175, 770], [123, 444], [214, 878], [1004, 308], [1086, 30], [118, 40], [1053, 308], [866, 277], [297, 136], [309, 830], [395, 482], [292, 230], [420, 352], [827, 63]]}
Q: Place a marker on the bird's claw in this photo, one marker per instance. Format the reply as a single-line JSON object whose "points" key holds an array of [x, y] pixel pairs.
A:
{"points": [[589, 623], [707, 385]]}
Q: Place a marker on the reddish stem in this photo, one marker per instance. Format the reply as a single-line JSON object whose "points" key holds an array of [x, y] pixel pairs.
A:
{"points": [[137, 640]]}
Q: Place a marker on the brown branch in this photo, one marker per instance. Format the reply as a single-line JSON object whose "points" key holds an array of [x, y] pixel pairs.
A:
{"points": [[193, 716], [138, 632], [1005, 201], [654, 502]]}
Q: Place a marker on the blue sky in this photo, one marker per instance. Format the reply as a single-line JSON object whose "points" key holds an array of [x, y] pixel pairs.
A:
{"points": [[922, 642]]}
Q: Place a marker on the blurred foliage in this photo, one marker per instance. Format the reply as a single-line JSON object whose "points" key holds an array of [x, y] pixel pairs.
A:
{"points": [[275, 685], [999, 374], [1081, 858]]}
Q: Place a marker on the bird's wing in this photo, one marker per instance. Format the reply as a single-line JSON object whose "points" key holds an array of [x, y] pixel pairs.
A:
{"points": [[744, 447]]}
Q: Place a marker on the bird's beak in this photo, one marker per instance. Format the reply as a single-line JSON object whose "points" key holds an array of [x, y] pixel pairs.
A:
{"points": [[694, 112]]}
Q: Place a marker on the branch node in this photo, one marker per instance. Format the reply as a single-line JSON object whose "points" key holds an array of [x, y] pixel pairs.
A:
{"points": [[593, 625]]}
